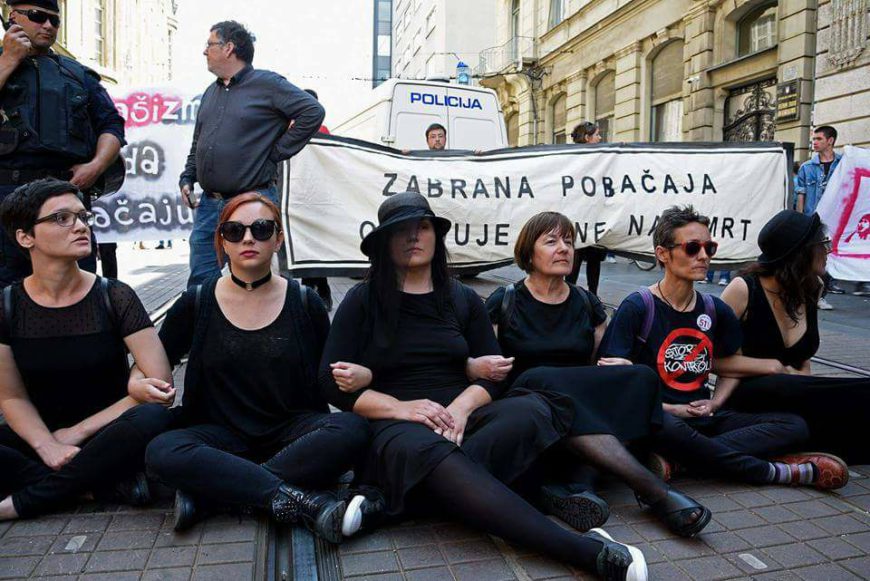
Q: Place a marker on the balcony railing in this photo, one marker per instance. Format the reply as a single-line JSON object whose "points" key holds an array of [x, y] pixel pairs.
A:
{"points": [[511, 55]]}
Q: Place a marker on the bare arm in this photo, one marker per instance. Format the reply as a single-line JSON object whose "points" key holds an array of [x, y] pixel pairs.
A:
{"points": [[736, 296], [151, 376], [16, 47], [599, 334], [375, 405], [461, 408], [86, 174]]}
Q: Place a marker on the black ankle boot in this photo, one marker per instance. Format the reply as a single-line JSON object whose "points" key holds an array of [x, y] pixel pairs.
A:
{"points": [[320, 512], [187, 513], [133, 491], [582, 509]]}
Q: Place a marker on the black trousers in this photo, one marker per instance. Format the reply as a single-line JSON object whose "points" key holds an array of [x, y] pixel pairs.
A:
{"points": [[730, 444], [212, 462], [594, 257], [109, 259], [112, 454], [320, 284]]}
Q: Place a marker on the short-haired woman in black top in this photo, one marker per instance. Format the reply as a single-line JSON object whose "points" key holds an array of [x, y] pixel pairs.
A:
{"points": [[256, 432], [552, 330], [775, 301], [71, 426], [397, 355]]}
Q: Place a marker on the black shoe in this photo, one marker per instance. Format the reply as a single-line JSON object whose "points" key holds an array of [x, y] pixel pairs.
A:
{"points": [[618, 561], [186, 513], [862, 290], [834, 289], [133, 491], [320, 512], [327, 302], [365, 510], [160, 247], [582, 510]]}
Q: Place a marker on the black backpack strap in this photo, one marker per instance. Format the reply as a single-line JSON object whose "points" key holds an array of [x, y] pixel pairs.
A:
{"points": [[303, 296], [508, 302], [107, 302], [197, 299], [649, 313], [587, 302], [709, 308], [7, 310], [460, 304]]}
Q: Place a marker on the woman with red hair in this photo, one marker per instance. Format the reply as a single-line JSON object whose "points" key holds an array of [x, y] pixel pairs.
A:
{"points": [[256, 432]]}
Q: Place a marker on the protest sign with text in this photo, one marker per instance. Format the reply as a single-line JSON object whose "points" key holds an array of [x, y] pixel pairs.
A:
{"points": [[613, 193]]}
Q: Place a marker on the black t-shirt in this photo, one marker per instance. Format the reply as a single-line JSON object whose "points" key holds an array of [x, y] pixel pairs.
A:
{"points": [[680, 346], [547, 335], [427, 357], [826, 167], [72, 359]]}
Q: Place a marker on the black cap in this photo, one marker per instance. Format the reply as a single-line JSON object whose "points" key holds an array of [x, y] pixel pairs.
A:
{"points": [[401, 208], [785, 234], [46, 4]]}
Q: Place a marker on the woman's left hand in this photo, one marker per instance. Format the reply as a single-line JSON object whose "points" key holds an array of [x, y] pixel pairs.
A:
{"points": [[351, 377], [702, 407], [68, 436], [460, 419], [614, 361]]}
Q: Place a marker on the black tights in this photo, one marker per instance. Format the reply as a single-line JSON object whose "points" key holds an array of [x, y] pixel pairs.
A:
{"points": [[605, 451], [477, 498]]}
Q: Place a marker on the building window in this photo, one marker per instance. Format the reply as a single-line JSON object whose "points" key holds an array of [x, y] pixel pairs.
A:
{"points": [[383, 41], [560, 119], [100, 31], [750, 112], [757, 30], [558, 10], [666, 74], [605, 103]]}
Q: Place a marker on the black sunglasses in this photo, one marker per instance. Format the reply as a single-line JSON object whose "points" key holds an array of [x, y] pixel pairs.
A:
{"points": [[261, 230], [693, 247], [40, 16]]}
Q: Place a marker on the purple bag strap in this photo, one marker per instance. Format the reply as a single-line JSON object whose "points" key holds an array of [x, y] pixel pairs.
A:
{"points": [[649, 313], [709, 308]]}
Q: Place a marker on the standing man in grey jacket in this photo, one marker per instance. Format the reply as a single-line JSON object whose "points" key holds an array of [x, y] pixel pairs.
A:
{"points": [[249, 121]]}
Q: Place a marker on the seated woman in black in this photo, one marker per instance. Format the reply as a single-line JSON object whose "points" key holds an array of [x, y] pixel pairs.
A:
{"points": [[684, 335], [552, 330], [775, 301], [397, 354], [256, 432], [64, 335]]}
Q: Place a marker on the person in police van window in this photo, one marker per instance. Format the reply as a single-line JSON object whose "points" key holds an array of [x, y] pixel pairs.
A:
{"points": [[436, 139]]}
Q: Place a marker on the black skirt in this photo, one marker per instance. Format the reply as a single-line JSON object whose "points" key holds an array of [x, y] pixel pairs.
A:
{"points": [[836, 409], [505, 437], [624, 400]]}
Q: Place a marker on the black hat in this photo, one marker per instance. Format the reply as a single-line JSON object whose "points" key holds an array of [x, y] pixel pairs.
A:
{"points": [[401, 208], [785, 234], [46, 4]]}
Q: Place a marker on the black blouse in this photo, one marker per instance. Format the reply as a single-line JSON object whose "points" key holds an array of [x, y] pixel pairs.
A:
{"points": [[547, 335], [428, 355], [761, 335]]}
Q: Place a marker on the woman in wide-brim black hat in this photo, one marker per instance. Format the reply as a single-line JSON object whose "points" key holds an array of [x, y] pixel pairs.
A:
{"points": [[775, 300], [397, 353]]}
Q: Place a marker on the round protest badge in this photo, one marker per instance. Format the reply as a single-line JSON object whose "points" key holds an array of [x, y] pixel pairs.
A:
{"points": [[704, 322], [685, 359]]}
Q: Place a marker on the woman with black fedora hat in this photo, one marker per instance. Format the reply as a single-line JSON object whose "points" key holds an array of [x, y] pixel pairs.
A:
{"points": [[775, 300], [397, 353]]}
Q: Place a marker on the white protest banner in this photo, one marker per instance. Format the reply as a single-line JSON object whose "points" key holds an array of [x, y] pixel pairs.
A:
{"points": [[845, 210], [159, 129], [612, 192]]}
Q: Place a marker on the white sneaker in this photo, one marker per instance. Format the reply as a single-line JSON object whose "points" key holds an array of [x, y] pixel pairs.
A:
{"points": [[611, 260], [703, 281], [723, 282], [825, 305]]}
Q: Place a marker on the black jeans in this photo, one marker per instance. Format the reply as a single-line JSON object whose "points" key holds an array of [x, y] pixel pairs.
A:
{"points": [[112, 454], [210, 461], [731, 444], [594, 257]]}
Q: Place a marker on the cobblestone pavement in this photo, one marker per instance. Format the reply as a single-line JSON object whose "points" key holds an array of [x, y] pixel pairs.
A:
{"points": [[756, 533]]}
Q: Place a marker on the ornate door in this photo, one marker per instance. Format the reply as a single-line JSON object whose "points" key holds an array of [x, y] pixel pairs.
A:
{"points": [[750, 112]]}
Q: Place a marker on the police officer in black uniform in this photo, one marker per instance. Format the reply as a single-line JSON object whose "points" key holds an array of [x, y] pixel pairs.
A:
{"points": [[55, 118]]}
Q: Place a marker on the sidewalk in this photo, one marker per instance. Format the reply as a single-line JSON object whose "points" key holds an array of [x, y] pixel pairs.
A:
{"points": [[756, 533]]}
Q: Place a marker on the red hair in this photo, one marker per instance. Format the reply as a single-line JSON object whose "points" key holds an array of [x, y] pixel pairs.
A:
{"points": [[229, 209]]}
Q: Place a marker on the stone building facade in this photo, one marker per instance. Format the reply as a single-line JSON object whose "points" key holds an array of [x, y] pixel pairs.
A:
{"points": [[129, 42], [657, 70]]}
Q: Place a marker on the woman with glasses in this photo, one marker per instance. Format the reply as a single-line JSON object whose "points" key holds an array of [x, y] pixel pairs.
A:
{"points": [[684, 335], [775, 300], [71, 426], [255, 432]]}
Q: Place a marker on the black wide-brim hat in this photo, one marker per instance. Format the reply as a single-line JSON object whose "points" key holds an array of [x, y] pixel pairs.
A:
{"points": [[46, 4], [400, 208], [785, 234]]}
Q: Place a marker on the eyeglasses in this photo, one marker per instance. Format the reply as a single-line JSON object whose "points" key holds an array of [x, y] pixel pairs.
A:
{"points": [[40, 16], [261, 230], [693, 247], [210, 43], [67, 218]]}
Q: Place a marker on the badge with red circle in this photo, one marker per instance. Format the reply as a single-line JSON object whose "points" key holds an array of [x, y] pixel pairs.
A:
{"points": [[685, 359]]}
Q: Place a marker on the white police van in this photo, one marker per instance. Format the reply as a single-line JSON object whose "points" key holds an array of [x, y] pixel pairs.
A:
{"points": [[400, 111]]}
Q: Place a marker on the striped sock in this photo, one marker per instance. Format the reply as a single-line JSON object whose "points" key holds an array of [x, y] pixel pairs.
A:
{"points": [[781, 473]]}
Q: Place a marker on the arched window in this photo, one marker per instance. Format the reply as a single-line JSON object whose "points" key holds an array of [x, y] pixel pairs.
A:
{"points": [[757, 30], [513, 129], [605, 103], [560, 119], [666, 74]]}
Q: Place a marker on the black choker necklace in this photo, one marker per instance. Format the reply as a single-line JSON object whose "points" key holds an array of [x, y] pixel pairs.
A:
{"points": [[249, 286]]}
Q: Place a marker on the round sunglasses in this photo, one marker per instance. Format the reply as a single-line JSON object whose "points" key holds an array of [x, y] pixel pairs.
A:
{"points": [[693, 247], [261, 230]]}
